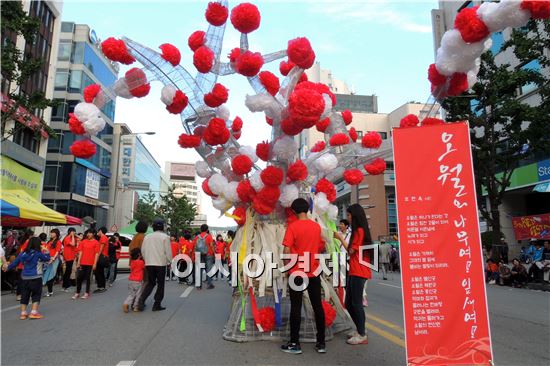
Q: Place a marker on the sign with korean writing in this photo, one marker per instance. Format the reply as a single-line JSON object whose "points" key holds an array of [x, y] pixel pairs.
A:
{"points": [[126, 160], [15, 176], [444, 299], [92, 184], [532, 227]]}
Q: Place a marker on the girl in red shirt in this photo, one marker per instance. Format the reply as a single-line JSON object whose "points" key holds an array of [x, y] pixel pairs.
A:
{"points": [[358, 272], [86, 262], [219, 251], [70, 243], [54, 248], [135, 281]]}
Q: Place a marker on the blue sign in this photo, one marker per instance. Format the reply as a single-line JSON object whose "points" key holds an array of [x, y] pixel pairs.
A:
{"points": [[543, 170]]}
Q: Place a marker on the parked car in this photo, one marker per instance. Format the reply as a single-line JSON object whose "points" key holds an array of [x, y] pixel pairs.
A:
{"points": [[124, 261]]}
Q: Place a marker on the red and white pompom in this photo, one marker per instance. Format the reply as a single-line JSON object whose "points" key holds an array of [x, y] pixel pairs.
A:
{"points": [[239, 214], [174, 99], [429, 121], [245, 17], [116, 50], [347, 116], [539, 9], [263, 150], [217, 96], [137, 82], [216, 133], [272, 176], [339, 139], [471, 27], [297, 171], [376, 167], [291, 127], [285, 67], [305, 107], [249, 63], [300, 52], [189, 141], [75, 125], [237, 124], [196, 39], [371, 140], [262, 207], [410, 120], [83, 149], [203, 59], [216, 14], [270, 82], [319, 146], [435, 77], [353, 176], [322, 125], [170, 53], [245, 191], [90, 92], [241, 164], [325, 186], [206, 188], [458, 84], [353, 134]]}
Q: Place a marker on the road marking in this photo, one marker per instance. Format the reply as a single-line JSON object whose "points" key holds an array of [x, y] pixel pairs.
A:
{"points": [[126, 363], [386, 284], [384, 334], [11, 308], [386, 323], [187, 292]]}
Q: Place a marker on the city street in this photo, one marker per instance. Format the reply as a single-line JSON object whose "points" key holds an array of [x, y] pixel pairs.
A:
{"points": [[97, 332]]}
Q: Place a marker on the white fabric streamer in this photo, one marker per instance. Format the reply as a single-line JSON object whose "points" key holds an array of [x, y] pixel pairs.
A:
{"points": [[320, 203], [332, 212]]}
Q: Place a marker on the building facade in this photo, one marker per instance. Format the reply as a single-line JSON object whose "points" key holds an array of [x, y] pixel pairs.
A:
{"points": [[183, 177], [79, 187]]}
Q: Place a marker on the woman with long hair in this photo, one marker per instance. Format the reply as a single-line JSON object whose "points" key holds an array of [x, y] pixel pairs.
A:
{"points": [[358, 273], [54, 248], [70, 243], [86, 262]]}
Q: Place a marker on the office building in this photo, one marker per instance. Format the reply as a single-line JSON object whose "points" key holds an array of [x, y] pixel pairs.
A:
{"points": [[183, 177]]}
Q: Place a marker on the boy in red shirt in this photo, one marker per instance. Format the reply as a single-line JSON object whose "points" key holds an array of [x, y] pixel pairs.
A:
{"points": [[303, 238], [174, 245], [135, 284]]}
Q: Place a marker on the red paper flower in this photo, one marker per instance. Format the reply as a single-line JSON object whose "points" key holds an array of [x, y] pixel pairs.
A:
{"points": [[269, 195], [270, 82], [170, 53], [432, 121], [83, 149], [371, 140], [376, 167], [216, 133], [435, 77], [241, 164], [305, 107], [267, 319], [217, 96], [297, 171], [290, 127], [249, 63], [245, 191], [458, 84], [303, 78], [240, 215], [245, 17], [75, 125], [196, 39], [179, 102], [353, 134], [237, 124], [216, 14], [203, 59], [262, 207], [410, 120], [90, 92], [322, 125], [269, 120], [116, 50], [339, 139], [471, 27], [285, 67], [206, 188], [300, 52], [347, 116], [237, 135], [263, 150], [272, 176], [234, 55], [319, 146], [137, 82], [199, 131], [319, 87], [539, 9], [326, 187], [189, 141], [353, 176], [330, 313]]}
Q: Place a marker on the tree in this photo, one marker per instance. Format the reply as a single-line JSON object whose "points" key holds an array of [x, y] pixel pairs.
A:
{"points": [[176, 210], [504, 129], [146, 208], [18, 67]]}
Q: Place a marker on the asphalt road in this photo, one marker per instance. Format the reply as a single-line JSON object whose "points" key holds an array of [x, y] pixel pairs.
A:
{"points": [[97, 332]]}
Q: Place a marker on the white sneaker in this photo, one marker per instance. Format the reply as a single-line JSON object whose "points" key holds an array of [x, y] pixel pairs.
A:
{"points": [[492, 282], [66, 289], [49, 294], [358, 339], [352, 334]]}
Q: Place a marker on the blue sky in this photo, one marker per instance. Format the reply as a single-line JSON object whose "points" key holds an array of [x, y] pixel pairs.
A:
{"points": [[381, 48]]}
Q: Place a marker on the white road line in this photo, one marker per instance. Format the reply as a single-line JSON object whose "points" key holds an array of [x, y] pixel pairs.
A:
{"points": [[11, 308], [187, 291], [386, 284], [126, 363]]}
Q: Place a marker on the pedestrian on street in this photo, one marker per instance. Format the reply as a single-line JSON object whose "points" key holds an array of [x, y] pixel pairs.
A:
{"points": [[103, 262], [114, 247], [303, 237], [186, 248], [25, 238], [504, 250], [219, 252], [70, 243], [204, 245], [384, 255], [86, 262], [358, 273], [227, 252], [175, 247], [137, 240], [32, 260], [519, 273], [54, 248], [135, 281], [157, 254]]}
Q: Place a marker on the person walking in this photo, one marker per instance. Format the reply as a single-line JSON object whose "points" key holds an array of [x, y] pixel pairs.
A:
{"points": [[31, 277], [54, 248], [137, 240], [204, 245], [135, 281], [303, 237], [358, 273], [70, 243], [103, 261], [86, 262], [186, 247], [384, 257], [219, 253], [114, 248], [22, 248], [175, 247], [157, 254]]}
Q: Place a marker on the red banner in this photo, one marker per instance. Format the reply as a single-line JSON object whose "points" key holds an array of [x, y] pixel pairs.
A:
{"points": [[532, 227], [444, 299]]}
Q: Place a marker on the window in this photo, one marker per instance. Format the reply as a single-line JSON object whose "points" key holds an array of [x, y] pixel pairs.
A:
{"points": [[530, 66], [59, 111], [67, 27], [359, 135], [97, 66], [384, 135], [498, 41], [61, 80], [65, 48], [78, 53], [25, 137]]}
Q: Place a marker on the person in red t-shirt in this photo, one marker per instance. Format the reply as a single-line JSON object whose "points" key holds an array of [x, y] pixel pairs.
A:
{"points": [[185, 247], [358, 272], [175, 246], [88, 253], [135, 281], [54, 248], [206, 255], [219, 251], [303, 239], [70, 243], [103, 264]]}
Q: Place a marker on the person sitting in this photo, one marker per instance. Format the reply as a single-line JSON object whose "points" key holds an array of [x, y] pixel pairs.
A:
{"points": [[491, 272], [504, 273], [535, 272], [519, 274]]}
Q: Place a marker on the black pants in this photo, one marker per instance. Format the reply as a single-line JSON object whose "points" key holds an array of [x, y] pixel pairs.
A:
{"points": [[67, 274], [155, 276], [100, 273], [182, 266], [31, 289], [84, 274], [314, 291], [50, 284], [354, 302]]}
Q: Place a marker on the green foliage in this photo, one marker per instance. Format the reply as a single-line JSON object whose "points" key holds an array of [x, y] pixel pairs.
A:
{"points": [[146, 208], [176, 210]]}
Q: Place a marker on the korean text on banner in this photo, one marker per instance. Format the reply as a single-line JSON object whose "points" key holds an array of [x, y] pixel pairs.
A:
{"points": [[532, 227], [444, 299], [16, 176]]}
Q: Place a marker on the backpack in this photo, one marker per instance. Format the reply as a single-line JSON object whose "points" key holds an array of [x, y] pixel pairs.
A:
{"points": [[201, 245]]}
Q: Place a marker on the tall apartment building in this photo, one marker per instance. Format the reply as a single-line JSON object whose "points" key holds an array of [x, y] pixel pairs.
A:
{"points": [[530, 182], [24, 153], [183, 177], [79, 187]]}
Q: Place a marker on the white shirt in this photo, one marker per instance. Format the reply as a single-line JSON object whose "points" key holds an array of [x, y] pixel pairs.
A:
{"points": [[156, 250]]}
